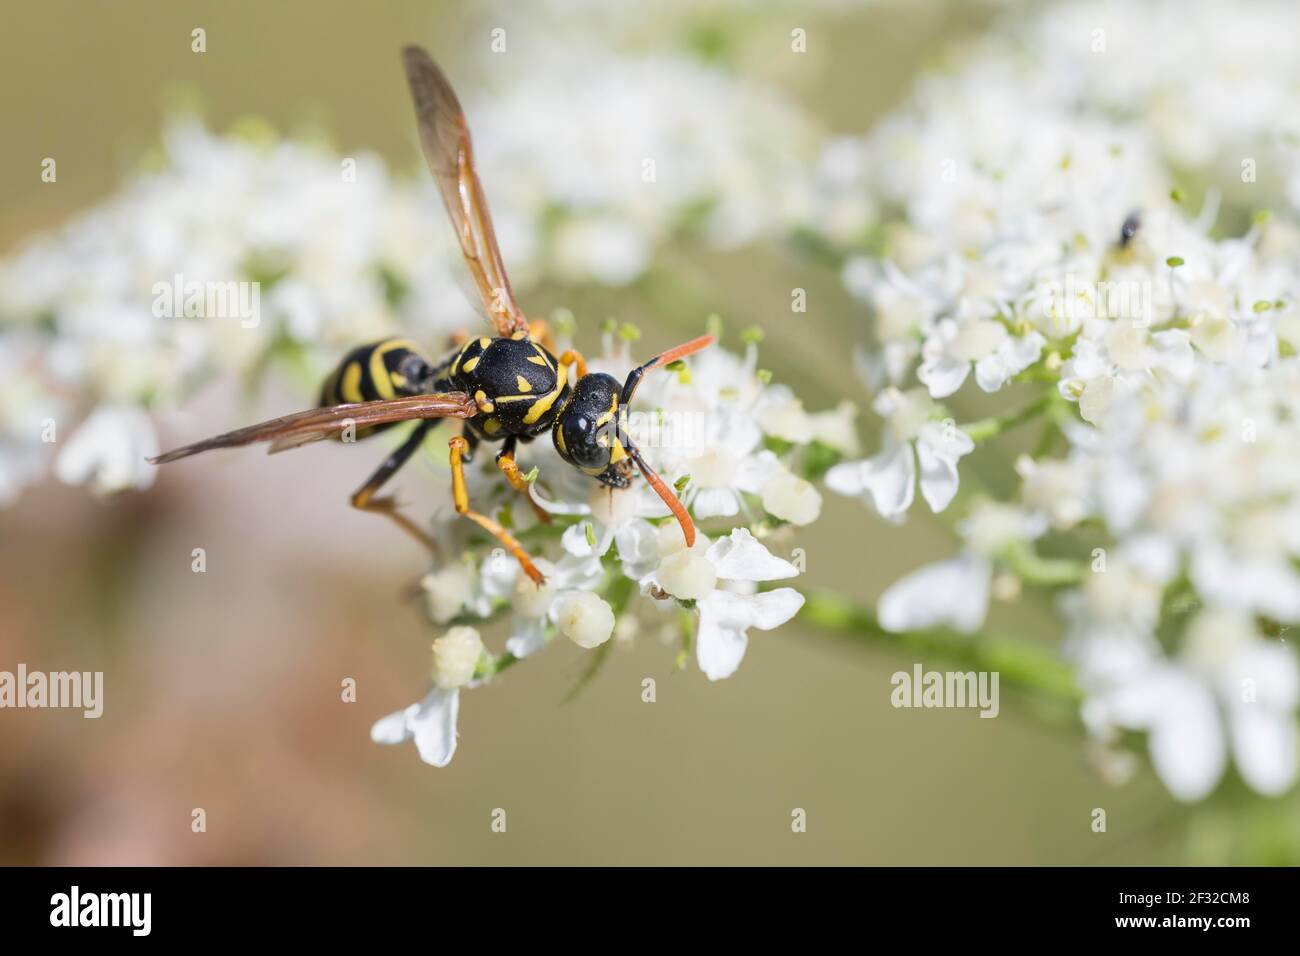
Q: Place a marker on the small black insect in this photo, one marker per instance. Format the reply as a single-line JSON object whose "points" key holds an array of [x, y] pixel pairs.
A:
{"points": [[1132, 223]]}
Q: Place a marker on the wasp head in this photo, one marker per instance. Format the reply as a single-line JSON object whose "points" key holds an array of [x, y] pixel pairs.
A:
{"points": [[587, 431]]}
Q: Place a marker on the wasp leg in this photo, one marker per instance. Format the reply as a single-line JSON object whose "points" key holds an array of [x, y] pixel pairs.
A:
{"points": [[364, 497], [510, 468], [461, 495], [574, 357]]}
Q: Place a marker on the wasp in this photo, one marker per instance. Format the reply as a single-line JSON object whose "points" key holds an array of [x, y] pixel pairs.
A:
{"points": [[508, 387]]}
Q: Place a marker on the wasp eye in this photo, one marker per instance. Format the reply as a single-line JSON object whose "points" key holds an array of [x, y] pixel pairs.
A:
{"points": [[580, 440]]}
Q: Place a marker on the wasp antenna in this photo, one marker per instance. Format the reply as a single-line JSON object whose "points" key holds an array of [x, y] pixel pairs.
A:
{"points": [[671, 500], [681, 351], [659, 361]]}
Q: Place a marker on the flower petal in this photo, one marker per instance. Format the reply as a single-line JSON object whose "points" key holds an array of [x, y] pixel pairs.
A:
{"points": [[432, 723], [638, 547], [1264, 745], [392, 729], [527, 636], [1186, 743], [938, 448], [575, 540], [557, 507], [110, 448], [889, 478], [715, 503], [943, 375], [771, 609], [720, 639], [953, 592], [740, 557], [1012, 357]]}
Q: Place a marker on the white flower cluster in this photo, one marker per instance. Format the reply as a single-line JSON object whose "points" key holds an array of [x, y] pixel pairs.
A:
{"points": [[1214, 82], [112, 311], [1126, 89], [313, 252], [1025, 232], [662, 145], [710, 429]]}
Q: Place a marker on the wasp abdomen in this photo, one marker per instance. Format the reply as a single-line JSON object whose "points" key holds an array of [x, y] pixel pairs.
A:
{"points": [[380, 370]]}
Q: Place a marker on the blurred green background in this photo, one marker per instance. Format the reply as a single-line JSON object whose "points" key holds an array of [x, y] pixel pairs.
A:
{"points": [[222, 689]]}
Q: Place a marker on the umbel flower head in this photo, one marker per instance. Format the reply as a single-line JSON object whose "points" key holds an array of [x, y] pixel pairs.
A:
{"points": [[614, 557], [1152, 343], [338, 262]]}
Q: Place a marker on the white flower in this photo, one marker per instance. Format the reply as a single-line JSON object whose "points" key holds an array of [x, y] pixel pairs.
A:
{"points": [[1225, 669], [962, 582], [889, 479], [782, 415], [1056, 489], [953, 593], [585, 618], [431, 723], [535, 608], [110, 449], [722, 582], [950, 350], [791, 499], [1013, 356], [618, 517], [1111, 359], [726, 464], [733, 150], [455, 588], [456, 657], [1067, 257]]}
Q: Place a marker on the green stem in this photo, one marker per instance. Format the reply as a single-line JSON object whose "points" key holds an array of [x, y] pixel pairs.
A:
{"points": [[1020, 665], [1032, 568], [986, 428]]}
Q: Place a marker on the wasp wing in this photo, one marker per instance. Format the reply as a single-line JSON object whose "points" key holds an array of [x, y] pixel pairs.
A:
{"points": [[332, 421], [445, 140]]}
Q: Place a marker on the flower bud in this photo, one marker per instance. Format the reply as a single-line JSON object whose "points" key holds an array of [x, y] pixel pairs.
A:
{"points": [[670, 540], [445, 590], [455, 657], [687, 575], [586, 619], [791, 499], [531, 600]]}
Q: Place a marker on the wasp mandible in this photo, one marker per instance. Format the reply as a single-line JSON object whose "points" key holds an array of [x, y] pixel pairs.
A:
{"points": [[509, 387]]}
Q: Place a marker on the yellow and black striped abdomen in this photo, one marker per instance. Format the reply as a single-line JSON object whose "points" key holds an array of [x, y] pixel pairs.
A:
{"points": [[371, 372]]}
